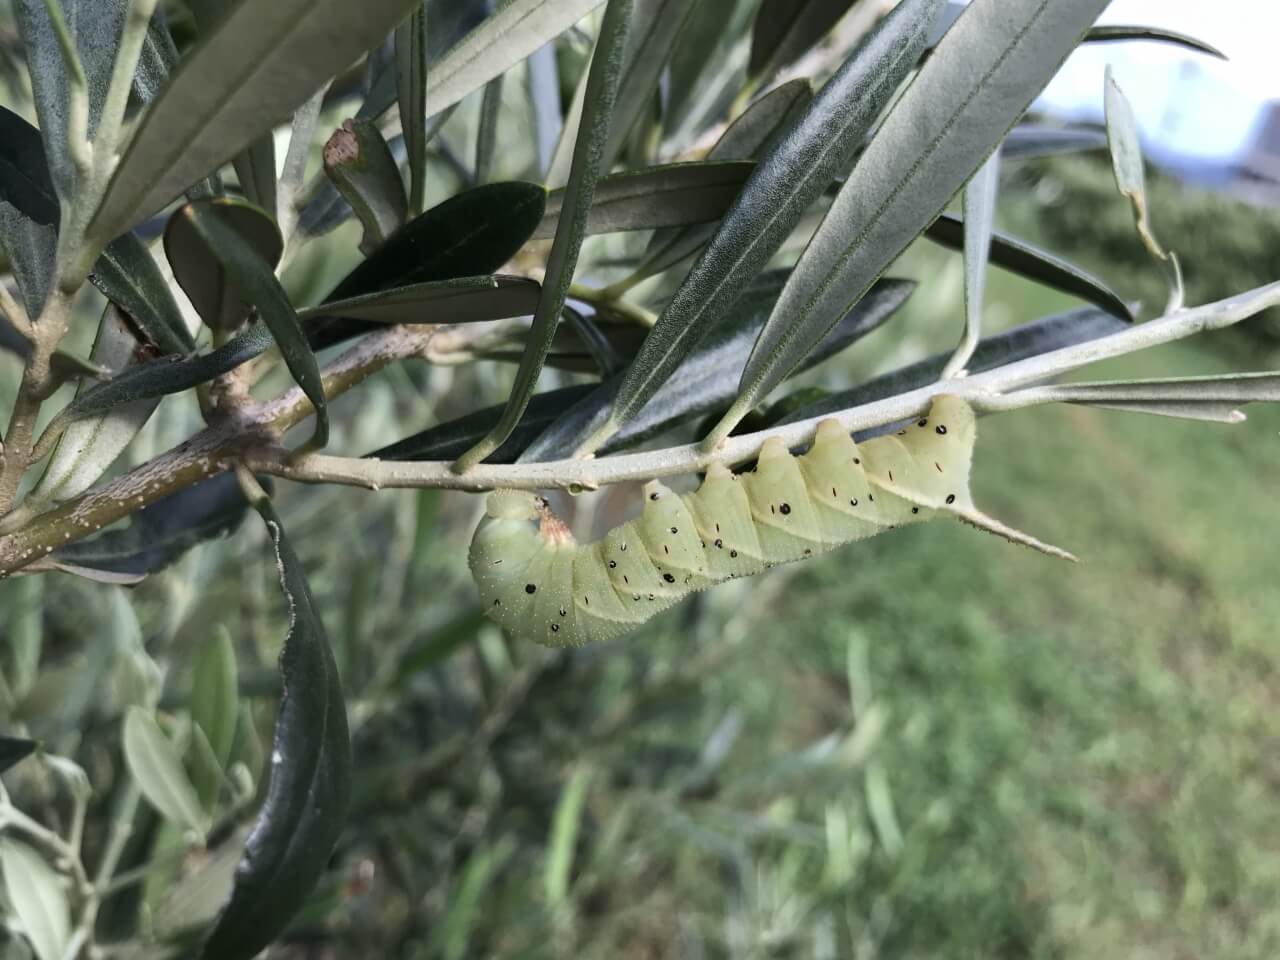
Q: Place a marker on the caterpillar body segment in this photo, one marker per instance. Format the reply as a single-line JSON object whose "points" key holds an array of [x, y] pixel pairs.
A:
{"points": [[538, 582]]}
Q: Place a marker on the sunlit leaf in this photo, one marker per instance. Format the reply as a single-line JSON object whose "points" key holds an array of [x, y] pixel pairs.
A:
{"points": [[38, 895], [156, 766]]}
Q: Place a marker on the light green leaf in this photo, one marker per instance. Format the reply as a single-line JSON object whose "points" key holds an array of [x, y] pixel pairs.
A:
{"points": [[258, 284], [671, 195], [500, 42], [564, 836], [215, 696], [359, 163], [465, 300], [1126, 162], [1213, 398], [792, 174], [979, 217], [88, 447], [156, 766], [980, 79], [602, 89], [745, 139], [411, 95], [39, 898], [258, 65], [256, 170]]}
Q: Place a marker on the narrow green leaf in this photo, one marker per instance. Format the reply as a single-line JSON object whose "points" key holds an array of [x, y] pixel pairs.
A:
{"points": [[982, 76], [160, 378], [544, 96], [745, 139], [785, 29], [1112, 33], [31, 249], [87, 448], [1018, 256], [359, 163], [411, 95], [252, 70], [979, 218], [94, 28], [156, 767], [788, 179], [1028, 340], [215, 696], [464, 300], [1126, 162], [196, 267], [257, 283], [602, 90], [674, 194], [487, 129], [501, 41], [562, 843], [206, 772], [655, 26], [468, 235], [449, 440], [707, 381], [255, 168], [125, 273], [13, 750], [306, 805], [38, 896], [160, 533], [1212, 398]]}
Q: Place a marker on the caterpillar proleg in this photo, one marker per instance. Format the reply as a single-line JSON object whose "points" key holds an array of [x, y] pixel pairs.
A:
{"points": [[538, 582]]}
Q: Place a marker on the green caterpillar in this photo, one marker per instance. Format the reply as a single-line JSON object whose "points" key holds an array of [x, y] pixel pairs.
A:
{"points": [[538, 582]]}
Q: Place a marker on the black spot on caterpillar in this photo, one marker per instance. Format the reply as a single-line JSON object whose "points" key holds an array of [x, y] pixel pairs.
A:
{"points": [[583, 590]]}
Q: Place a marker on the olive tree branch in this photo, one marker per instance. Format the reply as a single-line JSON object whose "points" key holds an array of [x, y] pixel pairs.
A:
{"points": [[251, 435]]}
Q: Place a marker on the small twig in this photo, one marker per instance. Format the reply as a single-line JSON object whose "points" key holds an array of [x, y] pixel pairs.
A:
{"points": [[13, 312], [606, 302]]}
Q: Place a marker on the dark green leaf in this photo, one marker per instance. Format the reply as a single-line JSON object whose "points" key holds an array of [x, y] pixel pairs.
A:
{"points": [[359, 163], [159, 378], [13, 750], [487, 129], [256, 170], [448, 441], [708, 379], [1029, 340], [788, 179], [125, 273], [584, 172], [671, 195], [159, 534], [305, 810], [464, 300], [485, 227], [1021, 258], [258, 285], [785, 29], [31, 249], [595, 340], [1115, 32], [198, 270], [982, 76], [258, 64]]}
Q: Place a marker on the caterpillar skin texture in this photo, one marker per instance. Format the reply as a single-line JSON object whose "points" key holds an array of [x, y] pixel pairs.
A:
{"points": [[538, 582]]}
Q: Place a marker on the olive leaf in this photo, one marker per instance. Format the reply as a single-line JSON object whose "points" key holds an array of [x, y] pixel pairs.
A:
{"points": [[359, 163], [982, 76], [156, 766], [306, 805], [411, 95], [13, 750]]}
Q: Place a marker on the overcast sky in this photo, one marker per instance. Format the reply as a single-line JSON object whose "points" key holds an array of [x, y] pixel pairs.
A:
{"points": [[1188, 103]]}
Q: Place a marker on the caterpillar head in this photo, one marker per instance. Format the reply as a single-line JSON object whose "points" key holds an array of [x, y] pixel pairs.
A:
{"points": [[514, 505]]}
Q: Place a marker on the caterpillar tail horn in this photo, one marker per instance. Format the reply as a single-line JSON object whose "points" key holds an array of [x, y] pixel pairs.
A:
{"points": [[976, 518]]}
